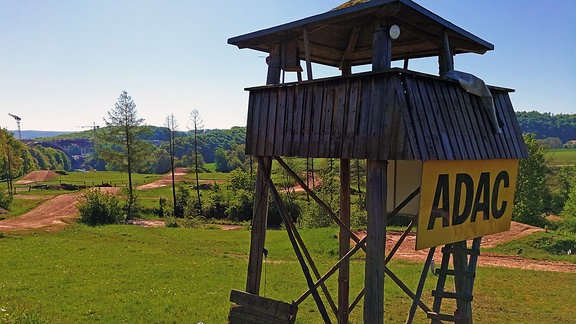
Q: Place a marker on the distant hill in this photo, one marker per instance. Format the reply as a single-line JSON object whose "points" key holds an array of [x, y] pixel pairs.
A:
{"points": [[548, 125], [31, 134]]}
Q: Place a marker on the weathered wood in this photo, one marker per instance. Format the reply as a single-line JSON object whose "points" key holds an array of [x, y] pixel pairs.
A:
{"points": [[258, 231], [332, 270], [270, 132], [445, 57], [344, 242], [351, 120], [351, 45], [376, 186], [319, 201], [289, 230], [260, 133], [388, 115], [376, 179], [280, 125], [307, 54], [274, 66], [420, 287], [271, 307]]}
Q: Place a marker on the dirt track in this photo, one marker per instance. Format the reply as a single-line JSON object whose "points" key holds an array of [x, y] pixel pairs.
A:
{"points": [[59, 211], [407, 252]]}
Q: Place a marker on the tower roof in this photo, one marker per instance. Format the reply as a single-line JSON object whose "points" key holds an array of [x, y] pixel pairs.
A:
{"points": [[346, 34]]}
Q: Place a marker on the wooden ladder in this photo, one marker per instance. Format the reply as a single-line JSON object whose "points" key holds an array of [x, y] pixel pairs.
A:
{"points": [[464, 272]]}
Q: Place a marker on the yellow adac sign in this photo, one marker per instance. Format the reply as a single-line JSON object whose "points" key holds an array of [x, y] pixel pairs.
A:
{"points": [[461, 200]]}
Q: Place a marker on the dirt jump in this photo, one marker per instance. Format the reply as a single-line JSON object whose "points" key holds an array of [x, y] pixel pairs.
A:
{"points": [[179, 173], [37, 176]]}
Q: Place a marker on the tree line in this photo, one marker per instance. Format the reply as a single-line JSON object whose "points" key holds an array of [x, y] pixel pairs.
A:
{"points": [[554, 130]]}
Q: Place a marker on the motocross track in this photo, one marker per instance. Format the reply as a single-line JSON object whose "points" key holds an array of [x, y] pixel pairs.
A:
{"points": [[59, 211]]}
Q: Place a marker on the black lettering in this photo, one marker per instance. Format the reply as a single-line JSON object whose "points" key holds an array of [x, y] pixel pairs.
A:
{"points": [[441, 195], [482, 200], [501, 177], [463, 181]]}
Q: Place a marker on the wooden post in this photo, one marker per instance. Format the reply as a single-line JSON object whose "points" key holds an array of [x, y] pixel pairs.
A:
{"points": [[375, 242], [344, 272], [445, 58], [260, 213], [376, 183], [258, 234]]}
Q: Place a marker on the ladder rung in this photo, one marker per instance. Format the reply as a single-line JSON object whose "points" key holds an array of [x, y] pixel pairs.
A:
{"points": [[458, 250], [451, 272], [451, 295], [445, 317]]}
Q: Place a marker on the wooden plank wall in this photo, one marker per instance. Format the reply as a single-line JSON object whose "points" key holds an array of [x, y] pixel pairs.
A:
{"points": [[380, 116], [451, 124]]}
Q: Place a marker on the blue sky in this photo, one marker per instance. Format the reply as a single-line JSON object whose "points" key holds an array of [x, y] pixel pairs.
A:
{"points": [[63, 63]]}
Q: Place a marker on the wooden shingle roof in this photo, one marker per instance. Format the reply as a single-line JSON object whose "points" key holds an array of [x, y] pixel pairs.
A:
{"points": [[330, 33]]}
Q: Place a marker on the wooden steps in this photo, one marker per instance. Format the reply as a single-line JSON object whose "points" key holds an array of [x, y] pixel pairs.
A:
{"points": [[464, 273]]}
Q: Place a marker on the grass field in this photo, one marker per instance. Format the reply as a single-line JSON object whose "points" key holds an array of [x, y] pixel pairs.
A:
{"points": [[115, 274], [562, 157]]}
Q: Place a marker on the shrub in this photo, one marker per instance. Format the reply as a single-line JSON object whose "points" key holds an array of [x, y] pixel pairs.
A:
{"points": [[5, 200], [555, 244], [241, 207], [100, 208]]}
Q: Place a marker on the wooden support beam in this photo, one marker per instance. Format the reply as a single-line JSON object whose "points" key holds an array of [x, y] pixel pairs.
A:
{"points": [[351, 45], [376, 241], [344, 245], [399, 242], [319, 201], [274, 65], [420, 287], [331, 271], [376, 186], [445, 56], [293, 240], [258, 231], [307, 54]]}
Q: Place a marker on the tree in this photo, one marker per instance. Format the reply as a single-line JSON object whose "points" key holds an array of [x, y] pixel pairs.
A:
{"points": [[531, 184], [121, 144], [12, 158], [172, 128], [196, 126]]}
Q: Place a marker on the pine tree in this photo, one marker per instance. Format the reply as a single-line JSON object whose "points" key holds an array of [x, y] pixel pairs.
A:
{"points": [[121, 143]]}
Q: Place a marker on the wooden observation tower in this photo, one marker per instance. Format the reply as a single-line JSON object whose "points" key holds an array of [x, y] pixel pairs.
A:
{"points": [[441, 149]]}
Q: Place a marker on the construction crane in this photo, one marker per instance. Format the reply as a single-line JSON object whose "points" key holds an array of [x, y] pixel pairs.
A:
{"points": [[95, 127], [18, 119]]}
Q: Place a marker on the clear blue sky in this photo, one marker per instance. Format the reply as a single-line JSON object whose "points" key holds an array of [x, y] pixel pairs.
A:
{"points": [[63, 63]]}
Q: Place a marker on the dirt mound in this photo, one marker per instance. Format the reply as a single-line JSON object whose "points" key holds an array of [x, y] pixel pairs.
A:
{"points": [[166, 181], [37, 176], [54, 214]]}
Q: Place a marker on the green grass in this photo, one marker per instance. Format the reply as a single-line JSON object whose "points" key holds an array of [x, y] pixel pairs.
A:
{"points": [[534, 247], [561, 157], [22, 206], [116, 274]]}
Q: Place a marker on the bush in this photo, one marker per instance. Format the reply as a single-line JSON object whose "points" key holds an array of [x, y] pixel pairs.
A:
{"points": [[100, 208], [241, 207], [5, 200], [555, 244]]}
